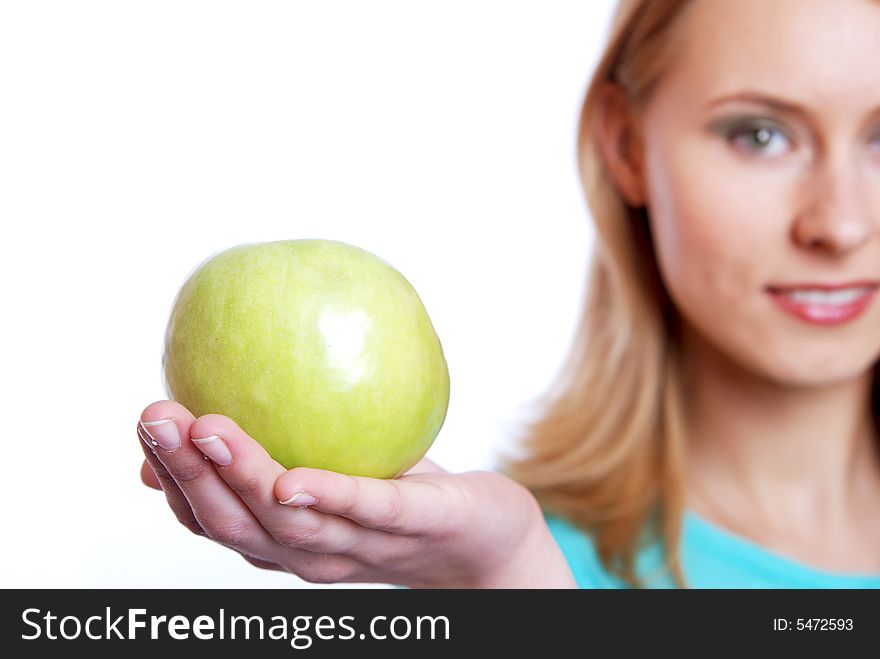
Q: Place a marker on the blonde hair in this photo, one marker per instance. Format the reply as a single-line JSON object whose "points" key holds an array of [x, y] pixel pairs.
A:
{"points": [[606, 449]]}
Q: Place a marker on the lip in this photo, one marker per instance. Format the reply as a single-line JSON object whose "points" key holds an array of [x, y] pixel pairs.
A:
{"points": [[824, 314], [864, 283]]}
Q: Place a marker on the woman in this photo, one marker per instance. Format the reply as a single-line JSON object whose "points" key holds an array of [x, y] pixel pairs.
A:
{"points": [[719, 420]]}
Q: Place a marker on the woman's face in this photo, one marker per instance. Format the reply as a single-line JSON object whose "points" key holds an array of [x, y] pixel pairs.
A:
{"points": [[745, 196]]}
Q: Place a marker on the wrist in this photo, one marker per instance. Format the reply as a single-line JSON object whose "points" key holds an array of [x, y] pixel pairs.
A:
{"points": [[536, 562]]}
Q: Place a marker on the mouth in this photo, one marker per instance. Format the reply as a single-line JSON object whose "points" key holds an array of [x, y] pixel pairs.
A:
{"points": [[825, 304]]}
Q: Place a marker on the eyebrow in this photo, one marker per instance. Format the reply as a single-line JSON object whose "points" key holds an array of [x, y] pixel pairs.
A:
{"points": [[779, 104]]}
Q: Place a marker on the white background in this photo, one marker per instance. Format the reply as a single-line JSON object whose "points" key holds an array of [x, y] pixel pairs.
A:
{"points": [[137, 138]]}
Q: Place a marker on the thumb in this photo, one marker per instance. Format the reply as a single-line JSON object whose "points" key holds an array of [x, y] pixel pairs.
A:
{"points": [[425, 466]]}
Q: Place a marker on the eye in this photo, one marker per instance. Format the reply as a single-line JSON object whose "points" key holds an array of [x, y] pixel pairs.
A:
{"points": [[762, 138]]}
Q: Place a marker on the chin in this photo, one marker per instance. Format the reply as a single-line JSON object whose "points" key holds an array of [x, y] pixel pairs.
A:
{"points": [[813, 369], [779, 354]]}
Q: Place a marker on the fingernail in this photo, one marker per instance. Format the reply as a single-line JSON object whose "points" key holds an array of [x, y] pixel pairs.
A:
{"points": [[145, 439], [215, 448], [300, 500], [162, 432]]}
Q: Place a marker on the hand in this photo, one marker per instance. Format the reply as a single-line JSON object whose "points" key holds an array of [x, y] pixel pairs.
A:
{"points": [[427, 528]]}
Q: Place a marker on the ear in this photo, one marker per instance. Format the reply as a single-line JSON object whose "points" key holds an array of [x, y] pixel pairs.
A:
{"points": [[618, 136]]}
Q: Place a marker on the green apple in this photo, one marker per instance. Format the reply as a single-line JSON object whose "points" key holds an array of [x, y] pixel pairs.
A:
{"points": [[319, 350]]}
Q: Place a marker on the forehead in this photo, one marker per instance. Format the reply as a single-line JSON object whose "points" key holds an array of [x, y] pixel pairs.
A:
{"points": [[819, 52]]}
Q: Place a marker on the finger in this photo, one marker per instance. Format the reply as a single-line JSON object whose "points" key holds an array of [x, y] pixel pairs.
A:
{"points": [[148, 476], [260, 563], [176, 501], [410, 505], [251, 473], [218, 510], [313, 567]]}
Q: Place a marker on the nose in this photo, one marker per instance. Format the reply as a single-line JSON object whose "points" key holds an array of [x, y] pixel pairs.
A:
{"points": [[841, 213]]}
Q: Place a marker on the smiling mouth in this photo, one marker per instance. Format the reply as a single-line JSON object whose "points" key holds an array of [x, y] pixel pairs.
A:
{"points": [[824, 304]]}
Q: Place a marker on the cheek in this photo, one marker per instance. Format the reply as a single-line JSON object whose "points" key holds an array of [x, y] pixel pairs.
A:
{"points": [[714, 242], [720, 234]]}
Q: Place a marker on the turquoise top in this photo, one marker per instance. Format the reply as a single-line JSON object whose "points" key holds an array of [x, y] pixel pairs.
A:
{"points": [[711, 557]]}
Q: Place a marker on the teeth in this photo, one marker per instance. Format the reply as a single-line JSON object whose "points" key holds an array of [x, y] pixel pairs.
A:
{"points": [[844, 296]]}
